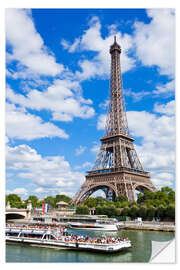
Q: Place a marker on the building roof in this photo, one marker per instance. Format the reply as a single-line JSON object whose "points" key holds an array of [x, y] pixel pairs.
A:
{"points": [[61, 203]]}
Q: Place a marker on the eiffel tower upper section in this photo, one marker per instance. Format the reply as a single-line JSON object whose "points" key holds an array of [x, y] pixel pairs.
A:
{"points": [[117, 150], [116, 123]]}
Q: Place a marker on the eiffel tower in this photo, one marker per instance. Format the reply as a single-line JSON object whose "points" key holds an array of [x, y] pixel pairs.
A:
{"points": [[117, 169]]}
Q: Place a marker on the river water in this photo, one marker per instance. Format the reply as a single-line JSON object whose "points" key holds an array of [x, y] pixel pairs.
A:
{"points": [[140, 251]]}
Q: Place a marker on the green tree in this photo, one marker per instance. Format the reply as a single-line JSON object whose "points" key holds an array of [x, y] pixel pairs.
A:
{"points": [[170, 192], [140, 198], [82, 210], [121, 198], [162, 196], [148, 203], [118, 205], [133, 211], [62, 197], [142, 212], [90, 202], [125, 211], [99, 210], [51, 200], [110, 204], [170, 212], [110, 211], [151, 211], [133, 203], [148, 195], [14, 200], [100, 201], [157, 203], [161, 212]]}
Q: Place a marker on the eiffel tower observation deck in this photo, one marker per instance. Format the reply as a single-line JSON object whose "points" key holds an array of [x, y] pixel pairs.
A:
{"points": [[117, 169]]}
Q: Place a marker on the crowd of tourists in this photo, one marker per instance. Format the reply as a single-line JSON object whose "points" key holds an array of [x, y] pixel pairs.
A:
{"points": [[87, 239]]}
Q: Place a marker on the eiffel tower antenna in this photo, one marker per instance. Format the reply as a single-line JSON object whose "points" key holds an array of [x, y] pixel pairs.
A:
{"points": [[117, 169]]}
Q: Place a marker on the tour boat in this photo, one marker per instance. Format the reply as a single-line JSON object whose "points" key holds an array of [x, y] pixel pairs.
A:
{"points": [[47, 238]]}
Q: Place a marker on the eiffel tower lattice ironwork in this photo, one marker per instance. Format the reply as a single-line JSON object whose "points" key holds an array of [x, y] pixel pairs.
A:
{"points": [[117, 169]]}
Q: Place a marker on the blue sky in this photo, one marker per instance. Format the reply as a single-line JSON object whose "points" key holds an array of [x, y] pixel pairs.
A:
{"points": [[57, 76]]}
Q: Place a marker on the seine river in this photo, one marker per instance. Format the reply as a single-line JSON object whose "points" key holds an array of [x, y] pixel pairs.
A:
{"points": [[140, 251]]}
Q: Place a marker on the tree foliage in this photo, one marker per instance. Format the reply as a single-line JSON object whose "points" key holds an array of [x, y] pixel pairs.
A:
{"points": [[34, 201], [133, 211], [164, 197], [14, 200], [82, 210], [142, 212], [161, 211], [151, 211], [90, 202], [125, 211], [62, 197], [121, 198], [149, 205]]}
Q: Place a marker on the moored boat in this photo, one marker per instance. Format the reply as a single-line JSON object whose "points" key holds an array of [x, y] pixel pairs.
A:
{"points": [[93, 227]]}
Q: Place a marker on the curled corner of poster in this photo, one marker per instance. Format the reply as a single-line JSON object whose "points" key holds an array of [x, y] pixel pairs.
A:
{"points": [[163, 252]]}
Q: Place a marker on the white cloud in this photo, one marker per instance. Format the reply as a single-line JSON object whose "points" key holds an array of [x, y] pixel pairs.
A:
{"points": [[27, 45], [75, 45], [80, 150], [22, 125], [50, 173], [155, 41], [86, 164], [101, 122], [164, 90], [39, 190], [95, 148], [47, 191], [167, 109], [104, 104], [99, 65], [136, 96], [18, 191], [63, 98], [152, 128], [157, 147], [162, 179], [167, 88]]}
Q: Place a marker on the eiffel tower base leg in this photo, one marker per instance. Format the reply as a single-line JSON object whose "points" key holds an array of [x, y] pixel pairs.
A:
{"points": [[126, 190]]}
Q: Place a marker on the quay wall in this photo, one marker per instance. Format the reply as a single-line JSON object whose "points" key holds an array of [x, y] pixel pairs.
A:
{"points": [[165, 227]]}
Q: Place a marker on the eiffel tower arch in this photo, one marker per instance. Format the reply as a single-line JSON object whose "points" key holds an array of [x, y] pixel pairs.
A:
{"points": [[117, 169]]}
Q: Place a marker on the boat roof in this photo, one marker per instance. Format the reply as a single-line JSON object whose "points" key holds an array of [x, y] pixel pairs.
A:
{"points": [[26, 231]]}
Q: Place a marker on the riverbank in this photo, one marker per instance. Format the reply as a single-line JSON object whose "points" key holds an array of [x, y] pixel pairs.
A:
{"points": [[148, 226]]}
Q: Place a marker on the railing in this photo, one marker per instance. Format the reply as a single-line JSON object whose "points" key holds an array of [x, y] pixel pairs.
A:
{"points": [[118, 170]]}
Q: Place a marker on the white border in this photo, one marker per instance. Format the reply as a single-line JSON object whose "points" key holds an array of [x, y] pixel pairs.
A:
{"points": [[74, 4]]}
